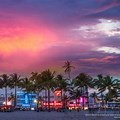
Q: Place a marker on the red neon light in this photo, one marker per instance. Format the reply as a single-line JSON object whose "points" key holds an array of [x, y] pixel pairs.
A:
{"points": [[57, 103], [58, 93]]}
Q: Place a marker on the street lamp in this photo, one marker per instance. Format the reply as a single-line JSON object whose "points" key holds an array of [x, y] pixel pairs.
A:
{"points": [[35, 101]]}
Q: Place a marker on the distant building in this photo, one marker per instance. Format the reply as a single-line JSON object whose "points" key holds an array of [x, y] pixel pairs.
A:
{"points": [[26, 99], [2, 99]]}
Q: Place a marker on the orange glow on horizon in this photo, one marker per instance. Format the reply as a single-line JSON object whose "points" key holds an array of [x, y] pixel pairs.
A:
{"points": [[25, 36], [27, 43]]}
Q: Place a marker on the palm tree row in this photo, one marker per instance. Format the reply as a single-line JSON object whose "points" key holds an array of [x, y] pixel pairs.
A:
{"points": [[107, 87]]}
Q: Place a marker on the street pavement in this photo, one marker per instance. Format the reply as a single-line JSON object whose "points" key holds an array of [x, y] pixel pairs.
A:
{"points": [[74, 115]]}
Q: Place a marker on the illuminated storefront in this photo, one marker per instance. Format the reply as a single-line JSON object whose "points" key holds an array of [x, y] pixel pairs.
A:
{"points": [[26, 99]]}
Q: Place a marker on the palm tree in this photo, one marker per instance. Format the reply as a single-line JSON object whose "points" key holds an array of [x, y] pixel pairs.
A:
{"points": [[5, 81], [83, 81], [94, 95], [68, 67], [1, 83], [48, 77], [112, 86], [28, 87], [75, 93], [15, 81], [61, 84], [107, 84], [107, 98], [37, 84], [98, 82]]}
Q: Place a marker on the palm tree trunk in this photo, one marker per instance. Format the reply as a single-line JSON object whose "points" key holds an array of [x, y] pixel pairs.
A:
{"points": [[83, 97], [76, 101], [62, 98], [87, 96], [69, 75], [37, 100], [15, 100], [28, 94], [30, 100], [83, 102], [6, 95], [48, 99], [64, 101], [94, 103], [102, 99]]}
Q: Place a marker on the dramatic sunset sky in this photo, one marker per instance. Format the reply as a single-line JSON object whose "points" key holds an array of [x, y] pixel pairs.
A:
{"points": [[40, 34]]}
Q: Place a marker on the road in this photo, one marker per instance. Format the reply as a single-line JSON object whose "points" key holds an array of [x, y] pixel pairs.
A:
{"points": [[33, 115]]}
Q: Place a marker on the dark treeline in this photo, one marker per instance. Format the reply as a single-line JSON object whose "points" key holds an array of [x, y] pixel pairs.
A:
{"points": [[107, 88]]}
